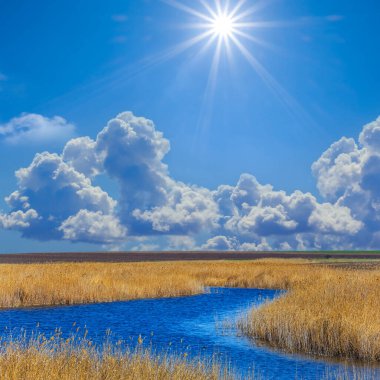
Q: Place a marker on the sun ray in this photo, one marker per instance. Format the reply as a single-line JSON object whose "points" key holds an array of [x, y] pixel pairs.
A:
{"points": [[180, 48], [287, 100], [208, 96], [254, 9], [148, 63], [207, 45], [266, 24], [256, 40], [232, 28], [227, 6], [237, 7], [187, 9], [209, 8], [218, 7]]}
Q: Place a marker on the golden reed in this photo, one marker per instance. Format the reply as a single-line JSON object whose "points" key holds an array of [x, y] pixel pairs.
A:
{"points": [[55, 358], [336, 314], [327, 311], [72, 283]]}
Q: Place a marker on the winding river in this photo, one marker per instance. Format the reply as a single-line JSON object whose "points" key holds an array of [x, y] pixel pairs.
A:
{"points": [[186, 324]]}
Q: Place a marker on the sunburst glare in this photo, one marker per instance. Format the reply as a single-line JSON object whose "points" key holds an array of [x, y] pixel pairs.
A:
{"points": [[223, 25], [229, 26]]}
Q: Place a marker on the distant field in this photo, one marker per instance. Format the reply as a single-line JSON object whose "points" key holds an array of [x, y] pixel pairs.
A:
{"points": [[179, 256]]}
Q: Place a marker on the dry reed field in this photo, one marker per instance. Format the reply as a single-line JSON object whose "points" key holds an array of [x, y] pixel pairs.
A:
{"points": [[327, 311], [336, 315], [24, 285], [72, 283], [55, 358]]}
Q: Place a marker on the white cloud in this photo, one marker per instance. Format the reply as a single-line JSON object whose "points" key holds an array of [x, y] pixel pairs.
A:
{"points": [[351, 172], [151, 202], [221, 243], [56, 191], [338, 168], [18, 219], [132, 152], [262, 245], [260, 211], [30, 128], [231, 243], [334, 219], [370, 136], [80, 153], [56, 198], [93, 227], [187, 210], [264, 221]]}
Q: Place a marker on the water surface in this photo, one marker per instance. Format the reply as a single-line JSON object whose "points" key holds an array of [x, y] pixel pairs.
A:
{"points": [[184, 324]]}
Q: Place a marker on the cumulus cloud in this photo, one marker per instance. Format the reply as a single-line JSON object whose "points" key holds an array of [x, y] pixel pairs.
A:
{"points": [[81, 155], [18, 220], [231, 243], [30, 128], [129, 150], [262, 245], [333, 219], [370, 136], [221, 243], [151, 202], [93, 227], [338, 168], [260, 211], [56, 197], [350, 171], [132, 152], [187, 210], [55, 191]]}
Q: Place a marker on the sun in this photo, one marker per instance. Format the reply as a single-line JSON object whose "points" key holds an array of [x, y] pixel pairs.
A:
{"points": [[222, 22], [230, 27], [223, 26]]}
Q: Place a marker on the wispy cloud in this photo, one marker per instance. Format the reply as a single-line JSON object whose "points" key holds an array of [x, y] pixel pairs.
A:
{"points": [[29, 128], [334, 18], [120, 17]]}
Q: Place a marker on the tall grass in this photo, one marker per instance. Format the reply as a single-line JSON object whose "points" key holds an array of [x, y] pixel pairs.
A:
{"points": [[327, 310], [72, 283], [336, 315], [54, 358]]}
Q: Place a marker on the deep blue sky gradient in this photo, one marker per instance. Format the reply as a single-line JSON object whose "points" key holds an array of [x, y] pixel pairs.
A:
{"points": [[85, 61]]}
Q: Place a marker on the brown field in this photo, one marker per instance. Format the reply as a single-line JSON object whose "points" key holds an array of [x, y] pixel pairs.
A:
{"points": [[329, 310], [79, 257]]}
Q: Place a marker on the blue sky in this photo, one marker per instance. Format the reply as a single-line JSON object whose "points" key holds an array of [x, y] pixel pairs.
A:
{"points": [[78, 64]]}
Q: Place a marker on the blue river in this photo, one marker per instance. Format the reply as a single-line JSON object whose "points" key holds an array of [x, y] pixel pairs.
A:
{"points": [[192, 325]]}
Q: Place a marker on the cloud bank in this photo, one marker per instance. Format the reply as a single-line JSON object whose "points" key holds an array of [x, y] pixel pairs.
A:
{"points": [[56, 197]]}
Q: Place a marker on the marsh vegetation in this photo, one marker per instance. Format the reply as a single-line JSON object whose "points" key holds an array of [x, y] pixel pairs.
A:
{"points": [[56, 358], [335, 314], [328, 310]]}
